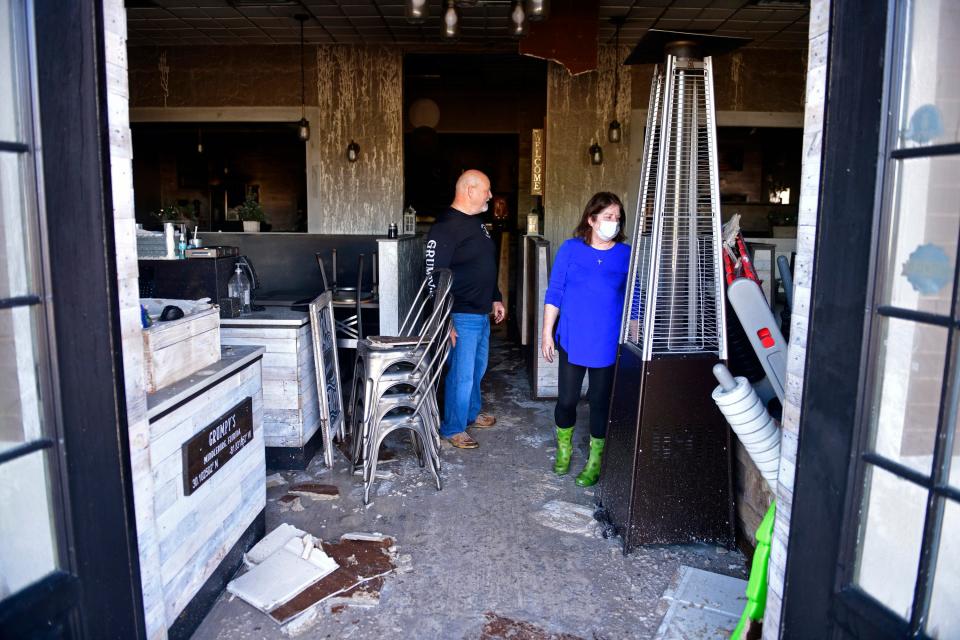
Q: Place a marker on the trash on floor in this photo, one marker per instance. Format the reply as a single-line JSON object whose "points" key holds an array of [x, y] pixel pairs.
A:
{"points": [[314, 491], [500, 628], [295, 577], [275, 480], [290, 502], [277, 574], [363, 564], [568, 517]]}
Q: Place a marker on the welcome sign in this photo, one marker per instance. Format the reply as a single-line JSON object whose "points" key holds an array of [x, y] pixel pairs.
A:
{"points": [[536, 163]]}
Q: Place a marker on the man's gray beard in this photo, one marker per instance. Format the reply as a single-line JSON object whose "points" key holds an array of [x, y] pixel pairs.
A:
{"points": [[485, 206]]}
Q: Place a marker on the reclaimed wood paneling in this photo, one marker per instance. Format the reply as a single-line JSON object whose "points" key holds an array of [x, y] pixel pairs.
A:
{"points": [[194, 533]]}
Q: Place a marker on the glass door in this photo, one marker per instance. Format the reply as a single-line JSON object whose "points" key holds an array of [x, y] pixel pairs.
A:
{"points": [[907, 534]]}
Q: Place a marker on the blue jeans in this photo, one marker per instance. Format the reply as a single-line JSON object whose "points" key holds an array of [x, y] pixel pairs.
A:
{"points": [[468, 363]]}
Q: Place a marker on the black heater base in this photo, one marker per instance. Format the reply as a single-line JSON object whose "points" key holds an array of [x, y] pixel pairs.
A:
{"points": [[667, 475]]}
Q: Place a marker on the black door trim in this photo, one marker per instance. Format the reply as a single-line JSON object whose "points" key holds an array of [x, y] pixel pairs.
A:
{"points": [[71, 79], [841, 272]]}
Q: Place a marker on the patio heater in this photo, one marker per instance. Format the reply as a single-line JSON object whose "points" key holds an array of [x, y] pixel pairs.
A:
{"points": [[667, 469]]}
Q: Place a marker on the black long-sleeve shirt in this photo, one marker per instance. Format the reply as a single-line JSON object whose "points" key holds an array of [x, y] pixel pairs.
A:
{"points": [[461, 243]]}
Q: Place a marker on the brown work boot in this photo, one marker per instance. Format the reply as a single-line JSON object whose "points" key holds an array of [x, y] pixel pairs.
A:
{"points": [[463, 440], [484, 420]]}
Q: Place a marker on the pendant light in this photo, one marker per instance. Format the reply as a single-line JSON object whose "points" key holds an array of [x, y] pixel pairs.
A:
{"points": [[353, 151], [199, 141], [450, 28], [518, 20], [538, 10], [596, 154], [614, 133], [417, 11], [303, 127]]}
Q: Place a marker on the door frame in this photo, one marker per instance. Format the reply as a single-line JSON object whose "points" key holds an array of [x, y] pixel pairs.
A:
{"points": [[97, 593]]}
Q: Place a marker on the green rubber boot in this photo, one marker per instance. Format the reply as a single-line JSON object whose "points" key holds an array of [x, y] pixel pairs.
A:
{"points": [[591, 471], [564, 449]]}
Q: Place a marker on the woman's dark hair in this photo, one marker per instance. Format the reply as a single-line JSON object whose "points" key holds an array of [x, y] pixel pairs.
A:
{"points": [[598, 203]]}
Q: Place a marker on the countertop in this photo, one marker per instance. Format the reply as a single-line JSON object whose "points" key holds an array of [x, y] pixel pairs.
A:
{"points": [[231, 360], [269, 317]]}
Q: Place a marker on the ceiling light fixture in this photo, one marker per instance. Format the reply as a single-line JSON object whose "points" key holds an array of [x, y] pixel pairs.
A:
{"points": [[518, 19], [538, 10], [417, 11], [303, 127], [353, 151], [614, 133], [450, 29]]}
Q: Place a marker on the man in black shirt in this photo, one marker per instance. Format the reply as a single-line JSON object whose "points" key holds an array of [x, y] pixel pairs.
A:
{"points": [[460, 242]]}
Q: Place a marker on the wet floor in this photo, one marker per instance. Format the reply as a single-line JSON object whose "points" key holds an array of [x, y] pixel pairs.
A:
{"points": [[501, 552]]}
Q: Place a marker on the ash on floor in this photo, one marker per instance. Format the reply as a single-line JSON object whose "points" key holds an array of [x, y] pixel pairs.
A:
{"points": [[482, 550]]}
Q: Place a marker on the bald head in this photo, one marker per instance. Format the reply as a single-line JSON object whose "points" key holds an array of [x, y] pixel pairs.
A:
{"points": [[473, 192]]}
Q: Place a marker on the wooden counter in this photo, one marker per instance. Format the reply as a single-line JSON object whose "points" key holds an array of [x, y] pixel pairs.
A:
{"points": [[291, 408], [207, 463]]}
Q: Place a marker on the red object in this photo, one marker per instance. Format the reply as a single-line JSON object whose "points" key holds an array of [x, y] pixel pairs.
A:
{"points": [[765, 338]]}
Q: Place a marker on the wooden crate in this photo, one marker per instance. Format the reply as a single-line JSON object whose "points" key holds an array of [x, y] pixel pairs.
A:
{"points": [[173, 350]]}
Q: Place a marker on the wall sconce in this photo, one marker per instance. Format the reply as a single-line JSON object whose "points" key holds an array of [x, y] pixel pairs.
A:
{"points": [[596, 154], [538, 10], [518, 20], [614, 132], [417, 11], [353, 151], [450, 29]]}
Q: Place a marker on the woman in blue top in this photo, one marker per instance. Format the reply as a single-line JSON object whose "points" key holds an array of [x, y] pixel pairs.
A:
{"points": [[586, 291]]}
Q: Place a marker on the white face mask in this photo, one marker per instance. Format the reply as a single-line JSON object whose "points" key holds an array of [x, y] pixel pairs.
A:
{"points": [[607, 229]]}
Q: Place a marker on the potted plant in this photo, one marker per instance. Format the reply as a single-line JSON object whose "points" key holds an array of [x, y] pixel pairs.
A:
{"points": [[251, 213], [178, 214]]}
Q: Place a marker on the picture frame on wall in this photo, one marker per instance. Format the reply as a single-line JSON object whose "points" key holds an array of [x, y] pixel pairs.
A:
{"points": [[327, 367]]}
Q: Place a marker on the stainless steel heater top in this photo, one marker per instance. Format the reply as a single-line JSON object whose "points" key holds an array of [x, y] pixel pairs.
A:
{"points": [[675, 303]]}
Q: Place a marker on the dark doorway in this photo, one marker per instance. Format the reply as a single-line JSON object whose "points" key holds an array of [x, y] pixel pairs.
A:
{"points": [[435, 161]]}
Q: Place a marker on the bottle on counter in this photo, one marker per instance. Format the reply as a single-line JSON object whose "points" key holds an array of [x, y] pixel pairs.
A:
{"points": [[182, 243], [392, 230], [239, 287]]}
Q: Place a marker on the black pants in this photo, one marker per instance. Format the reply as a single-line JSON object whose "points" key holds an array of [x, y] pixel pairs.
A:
{"points": [[568, 388]]}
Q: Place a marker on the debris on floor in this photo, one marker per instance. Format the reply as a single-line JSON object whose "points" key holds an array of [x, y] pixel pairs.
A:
{"points": [[278, 573], [295, 577], [363, 563], [500, 628], [275, 480], [314, 491], [290, 501], [568, 517], [701, 604]]}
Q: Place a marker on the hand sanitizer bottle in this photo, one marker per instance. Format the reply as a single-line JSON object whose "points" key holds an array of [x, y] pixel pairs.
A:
{"points": [[239, 287]]}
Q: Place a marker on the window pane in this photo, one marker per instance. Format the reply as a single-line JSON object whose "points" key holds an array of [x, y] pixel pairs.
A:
{"points": [[909, 365], [890, 533], [26, 525], [931, 100], [17, 224], [10, 65], [20, 409], [944, 619], [923, 226]]}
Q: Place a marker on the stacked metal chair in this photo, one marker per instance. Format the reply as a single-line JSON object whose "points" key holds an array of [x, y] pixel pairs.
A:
{"points": [[395, 379]]}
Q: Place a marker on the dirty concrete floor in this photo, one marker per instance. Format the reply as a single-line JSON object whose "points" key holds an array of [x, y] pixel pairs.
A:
{"points": [[478, 547]]}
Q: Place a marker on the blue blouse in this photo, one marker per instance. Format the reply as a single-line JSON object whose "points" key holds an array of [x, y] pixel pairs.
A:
{"points": [[588, 286]]}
